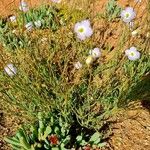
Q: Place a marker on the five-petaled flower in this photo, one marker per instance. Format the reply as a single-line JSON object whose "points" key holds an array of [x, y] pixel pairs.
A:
{"points": [[83, 29], [132, 53], [128, 14]]}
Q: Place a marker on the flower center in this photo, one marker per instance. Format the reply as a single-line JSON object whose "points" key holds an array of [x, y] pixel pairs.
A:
{"points": [[81, 30], [132, 54], [127, 15]]}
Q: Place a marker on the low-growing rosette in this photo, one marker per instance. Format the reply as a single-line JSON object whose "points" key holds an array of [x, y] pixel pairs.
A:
{"points": [[83, 29], [132, 53]]}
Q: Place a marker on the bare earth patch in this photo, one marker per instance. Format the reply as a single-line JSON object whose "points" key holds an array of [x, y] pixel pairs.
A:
{"points": [[8, 127], [132, 130]]}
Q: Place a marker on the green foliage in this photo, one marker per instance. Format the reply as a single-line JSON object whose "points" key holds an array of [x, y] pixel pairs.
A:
{"points": [[52, 133], [93, 142], [112, 10], [48, 134], [13, 35]]}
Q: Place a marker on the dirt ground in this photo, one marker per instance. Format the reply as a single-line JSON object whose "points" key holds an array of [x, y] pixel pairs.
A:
{"points": [[8, 127], [132, 129]]}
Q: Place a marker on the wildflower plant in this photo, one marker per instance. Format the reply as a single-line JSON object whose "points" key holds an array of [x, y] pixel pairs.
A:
{"points": [[112, 10], [65, 65], [17, 40]]}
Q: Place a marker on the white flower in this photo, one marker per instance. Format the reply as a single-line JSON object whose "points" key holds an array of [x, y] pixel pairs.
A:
{"points": [[12, 18], [10, 70], [29, 26], [56, 1], [89, 60], [38, 23], [78, 65], [132, 53], [83, 29], [23, 6], [138, 1], [128, 14], [95, 53]]}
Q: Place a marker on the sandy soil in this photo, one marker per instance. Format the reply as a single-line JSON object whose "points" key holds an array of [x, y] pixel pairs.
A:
{"points": [[131, 130]]}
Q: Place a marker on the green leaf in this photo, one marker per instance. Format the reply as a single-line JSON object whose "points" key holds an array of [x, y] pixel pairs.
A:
{"points": [[63, 131], [102, 144], [12, 141], [55, 148], [15, 147], [56, 130], [66, 140], [34, 131], [79, 138], [46, 146], [52, 120], [95, 137], [47, 132], [62, 145], [60, 122], [83, 143], [97, 141], [24, 143]]}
